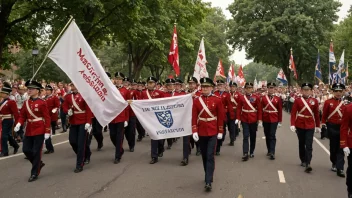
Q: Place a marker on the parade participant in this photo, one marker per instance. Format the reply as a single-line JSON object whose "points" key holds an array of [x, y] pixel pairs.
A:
{"points": [[169, 83], [157, 146], [331, 119], [80, 118], [9, 116], [192, 89], [53, 104], [272, 118], [14, 93], [249, 114], [130, 130], [117, 125], [229, 115], [235, 98], [140, 129], [20, 99], [207, 126], [324, 97], [36, 114], [304, 121], [61, 93]]}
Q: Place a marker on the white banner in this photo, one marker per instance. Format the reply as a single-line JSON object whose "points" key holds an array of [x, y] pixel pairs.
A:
{"points": [[164, 118], [74, 56], [200, 69]]}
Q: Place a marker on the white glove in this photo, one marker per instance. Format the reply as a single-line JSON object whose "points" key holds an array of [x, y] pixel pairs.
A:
{"points": [[89, 130], [195, 136], [46, 136], [260, 124], [323, 125], [125, 124], [279, 125], [239, 124], [70, 112], [219, 136], [346, 150], [54, 110], [293, 128], [236, 121], [317, 130], [17, 127], [86, 127]]}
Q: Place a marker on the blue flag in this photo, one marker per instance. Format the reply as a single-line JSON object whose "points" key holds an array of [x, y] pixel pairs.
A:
{"points": [[318, 69]]}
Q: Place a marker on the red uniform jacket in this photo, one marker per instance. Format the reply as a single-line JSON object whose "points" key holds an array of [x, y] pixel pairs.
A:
{"points": [[77, 118], [168, 94], [235, 99], [305, 120], [132, 95], [124, 115], [179, 93], [195, 93], [35, 126], [211, 126], [346, 128], [53, 102], [226, 101], [269, 113], [245, 112], [153, 94], [9, 109], [329, 107]]}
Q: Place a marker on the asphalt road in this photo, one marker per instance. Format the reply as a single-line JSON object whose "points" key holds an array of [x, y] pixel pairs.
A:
{"points": [[134, 177]]}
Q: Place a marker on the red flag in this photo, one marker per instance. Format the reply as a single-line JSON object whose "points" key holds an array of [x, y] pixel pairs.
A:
{"points": [[173, 54], [240, 77], [293, 66], [220, 70]]}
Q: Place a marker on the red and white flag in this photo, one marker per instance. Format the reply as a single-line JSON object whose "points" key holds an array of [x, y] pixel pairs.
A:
{"points": [[241, 81], [173, 54], [292, 66], [75, 57], [200, 69], [231, 74], [219, 71]]}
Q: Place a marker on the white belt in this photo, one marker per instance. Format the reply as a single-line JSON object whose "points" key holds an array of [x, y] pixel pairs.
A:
{"points": [[35, 120], [270, 111], [5, 116], [303, 116], [78, 112], [249, 111], [208, 119]]}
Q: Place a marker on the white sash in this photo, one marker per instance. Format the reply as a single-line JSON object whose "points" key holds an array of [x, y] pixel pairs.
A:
{"points": [[3, 104], [233, 100], [205, 107], [269, 103], [75, 104], [337, 110], [249, 104], [148, 94], [308, 108], [30, 111]]}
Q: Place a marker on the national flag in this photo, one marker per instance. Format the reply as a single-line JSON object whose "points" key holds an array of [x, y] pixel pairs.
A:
{"points": [[173, 54], [332, 64], [282, 77], [292, 66], [230, 74], [75, 57], [241, 81], [200, 69], [318, 73], [341, 73]]}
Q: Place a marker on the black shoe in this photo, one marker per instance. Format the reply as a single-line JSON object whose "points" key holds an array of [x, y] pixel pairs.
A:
{"points": [[168, 147], [77, 170], [41, 165], [4, 154], [184, 162], [308, 169], [161, 154], [268, 154], [251, 155], [231, 143], [16, 149], [48, 152], [217, 153], [117, 161], [198, 153], [340, 173], [272, 156], [333, 168], [100, 145], [32, 178], [303, 164], [245, 157], [154, 160], [86, 161], [208, 187], [131, 149], [139, 139]]}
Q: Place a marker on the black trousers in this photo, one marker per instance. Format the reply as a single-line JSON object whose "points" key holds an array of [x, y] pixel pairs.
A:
{"points": [[186, 146], [207, 146], [53, 127], [6, 135], [63, 119], [116, 136], [157, 147], [130, 133], [349, 174], [219, 143], [48, 143], [270, 135], [32, 148], [97, 131], [140, 129], [194, 143], [249, 132], [78, 138], [337, 156], [324, 132], [233, 130], [305, 144]]}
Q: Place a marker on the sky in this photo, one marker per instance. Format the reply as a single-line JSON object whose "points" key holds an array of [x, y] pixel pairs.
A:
{"points": [[240, 56]]}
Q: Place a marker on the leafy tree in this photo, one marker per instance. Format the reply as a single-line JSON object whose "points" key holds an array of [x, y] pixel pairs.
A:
{"points": [[260, 71]]}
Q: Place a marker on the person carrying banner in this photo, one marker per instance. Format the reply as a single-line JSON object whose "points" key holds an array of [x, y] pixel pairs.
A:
{"points": [[235, 98], [138, 93], [130, 132], [9, 115], [53, 104], [80, 118], [157, 146], [118, 124], [36, 114], [304, 121], [332, 116], [170, 87], [272, 118], [249, 113]]}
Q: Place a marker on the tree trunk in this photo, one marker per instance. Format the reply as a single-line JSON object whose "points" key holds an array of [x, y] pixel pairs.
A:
{"points": [[5, 11]]}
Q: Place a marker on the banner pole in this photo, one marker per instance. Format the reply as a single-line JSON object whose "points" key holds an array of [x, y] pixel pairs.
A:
{"points": [[52, 46]]}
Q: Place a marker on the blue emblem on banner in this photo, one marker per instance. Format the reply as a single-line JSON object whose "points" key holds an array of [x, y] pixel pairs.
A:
{"points": [[165, 118]]}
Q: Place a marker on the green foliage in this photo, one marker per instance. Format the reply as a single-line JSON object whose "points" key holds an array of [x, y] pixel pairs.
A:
{"points": [[260, 71]]}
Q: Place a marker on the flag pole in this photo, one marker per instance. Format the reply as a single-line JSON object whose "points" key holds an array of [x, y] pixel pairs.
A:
{"points": [[52, 46]]}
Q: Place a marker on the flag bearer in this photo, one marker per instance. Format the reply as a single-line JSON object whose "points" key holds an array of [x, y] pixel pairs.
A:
{"points": [[35, 113], [249, 113], [80, 125], [304, 121], [332, 116], [207, 126], [272, 118], [235, 98]]}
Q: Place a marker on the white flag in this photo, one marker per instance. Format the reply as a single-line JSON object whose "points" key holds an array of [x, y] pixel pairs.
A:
{"points": [[165, 118], [200, 69], [74, 56]]}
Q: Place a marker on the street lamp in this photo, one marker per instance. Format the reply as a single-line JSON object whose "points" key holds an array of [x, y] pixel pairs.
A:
{"points": [[35, 52]]}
